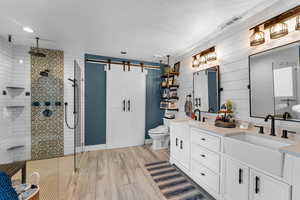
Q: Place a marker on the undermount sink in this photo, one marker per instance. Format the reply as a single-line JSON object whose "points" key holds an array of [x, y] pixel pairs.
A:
{"points": [[257, 151]]}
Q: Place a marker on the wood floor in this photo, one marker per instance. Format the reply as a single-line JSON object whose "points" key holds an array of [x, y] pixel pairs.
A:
{"points": [[117, 174]]}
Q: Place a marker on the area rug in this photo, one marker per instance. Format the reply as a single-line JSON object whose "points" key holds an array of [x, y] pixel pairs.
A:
{"points": [[174, 184]]}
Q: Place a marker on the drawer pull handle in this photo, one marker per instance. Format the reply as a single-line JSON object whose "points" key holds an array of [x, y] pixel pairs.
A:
{"points": [[203, 139], [202, 174], [257, 184], [240, 176], [203, 156], [181, 142], [176, 142]]}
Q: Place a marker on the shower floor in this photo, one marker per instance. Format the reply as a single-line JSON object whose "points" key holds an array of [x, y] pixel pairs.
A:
{"points": [[117, 174]]}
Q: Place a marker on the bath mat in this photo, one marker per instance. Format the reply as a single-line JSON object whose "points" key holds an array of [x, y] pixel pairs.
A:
{"points": [[174, 184]]}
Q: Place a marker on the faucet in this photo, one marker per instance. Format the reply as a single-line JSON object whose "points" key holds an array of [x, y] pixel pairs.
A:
{"points": [[199, 114], [272, 123]]}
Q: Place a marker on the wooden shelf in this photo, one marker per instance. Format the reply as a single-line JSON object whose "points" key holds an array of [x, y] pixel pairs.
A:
{"points": [[167, 75], [170, 86], [170, 109], [170, 98]]}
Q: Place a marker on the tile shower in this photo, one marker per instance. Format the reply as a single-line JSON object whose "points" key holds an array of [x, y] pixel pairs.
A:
{"points": [[47, 112]]}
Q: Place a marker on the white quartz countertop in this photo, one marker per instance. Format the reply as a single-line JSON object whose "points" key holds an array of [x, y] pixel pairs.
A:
{"points": [[293, 149]]}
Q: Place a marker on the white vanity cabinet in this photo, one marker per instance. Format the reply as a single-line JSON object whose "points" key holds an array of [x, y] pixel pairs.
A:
{"points": [[180, 145], [236, 181], [263, 187]]}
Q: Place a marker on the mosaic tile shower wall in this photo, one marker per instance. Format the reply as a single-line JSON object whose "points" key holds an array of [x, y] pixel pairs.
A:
{"points": [[47, 111]]}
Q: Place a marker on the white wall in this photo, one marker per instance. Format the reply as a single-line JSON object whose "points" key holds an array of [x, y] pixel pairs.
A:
{"points": [[233, 49], [15, 124]]}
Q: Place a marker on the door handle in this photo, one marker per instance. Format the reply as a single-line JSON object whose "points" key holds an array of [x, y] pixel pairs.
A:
{"points": [[240, 176], [128, 105], [257, 184], [181, 142], [124, 105], [176, 142]]}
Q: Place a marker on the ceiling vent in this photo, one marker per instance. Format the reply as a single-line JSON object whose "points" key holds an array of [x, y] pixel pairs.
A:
{"points": [[230, 22]]}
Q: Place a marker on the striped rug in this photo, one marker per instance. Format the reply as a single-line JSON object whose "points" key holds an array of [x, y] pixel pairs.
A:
{"points": [[174, 184]]}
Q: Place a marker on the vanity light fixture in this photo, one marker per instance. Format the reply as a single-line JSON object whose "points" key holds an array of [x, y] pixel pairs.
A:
{"points": [[195, 62], [204, 57], [212, 56], [278, 30], [202, 60], [257, 38], [297, 23]]}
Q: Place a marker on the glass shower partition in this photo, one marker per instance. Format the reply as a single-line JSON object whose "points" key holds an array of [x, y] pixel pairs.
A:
{"points": [[78, 137]]}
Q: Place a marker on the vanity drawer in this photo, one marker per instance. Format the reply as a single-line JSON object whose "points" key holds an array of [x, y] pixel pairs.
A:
{"points": [[208, 141], [205, 175], [208, 158]]}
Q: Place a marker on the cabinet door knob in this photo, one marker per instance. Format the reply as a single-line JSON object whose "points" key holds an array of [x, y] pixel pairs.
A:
{"points": [[202, 174], [181, 142], [203, 139], [203, 156], [176, 142]]}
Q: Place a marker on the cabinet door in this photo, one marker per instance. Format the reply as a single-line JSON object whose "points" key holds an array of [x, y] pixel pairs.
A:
{"points": [[263, 187], [136, 106], [184, 147], [236, 181], [174, 140]]}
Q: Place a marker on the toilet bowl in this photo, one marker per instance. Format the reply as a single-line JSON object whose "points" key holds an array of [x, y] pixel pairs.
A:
{"points": [[160, 136]]}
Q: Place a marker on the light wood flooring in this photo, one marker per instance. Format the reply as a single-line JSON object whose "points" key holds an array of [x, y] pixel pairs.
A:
{"points": [[117, 174]]}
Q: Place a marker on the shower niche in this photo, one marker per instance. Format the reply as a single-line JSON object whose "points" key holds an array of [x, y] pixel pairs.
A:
{"points": [[47, 113]]}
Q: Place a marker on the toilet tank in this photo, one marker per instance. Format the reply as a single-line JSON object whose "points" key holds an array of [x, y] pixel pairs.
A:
{"points": [[167, 122]]}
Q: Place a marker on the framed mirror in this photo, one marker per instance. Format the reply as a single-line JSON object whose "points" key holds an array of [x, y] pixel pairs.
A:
{"points": [[275, 83], [206, 90]]}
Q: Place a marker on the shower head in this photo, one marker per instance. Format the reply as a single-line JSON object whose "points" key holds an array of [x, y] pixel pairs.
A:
{"points": [[45, 73], [35, 52]]}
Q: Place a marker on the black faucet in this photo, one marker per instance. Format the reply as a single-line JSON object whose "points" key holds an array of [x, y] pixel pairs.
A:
{"points": [[199, 115], [272, 123]]}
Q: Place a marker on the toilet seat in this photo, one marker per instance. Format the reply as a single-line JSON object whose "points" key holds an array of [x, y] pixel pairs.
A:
{"points": [[159, 130]]}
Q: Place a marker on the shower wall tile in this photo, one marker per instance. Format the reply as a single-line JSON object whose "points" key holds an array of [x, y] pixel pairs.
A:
{"points": [[47, 132], [6, 128]]}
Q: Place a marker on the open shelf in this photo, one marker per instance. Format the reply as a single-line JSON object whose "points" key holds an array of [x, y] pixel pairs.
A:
{"points": [[169, 98], [170, 109], [170, 86]]}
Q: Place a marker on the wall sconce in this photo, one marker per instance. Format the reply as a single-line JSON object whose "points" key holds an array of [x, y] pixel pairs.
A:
{"points": [[297, 23], [278, 30], [257, 38]]}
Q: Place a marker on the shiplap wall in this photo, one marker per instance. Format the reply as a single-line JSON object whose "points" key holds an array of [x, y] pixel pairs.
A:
{"points": [[233, 49], [15, 124]]}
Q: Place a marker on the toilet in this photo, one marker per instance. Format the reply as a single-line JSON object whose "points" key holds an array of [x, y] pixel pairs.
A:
{"points": [[160, 136]]}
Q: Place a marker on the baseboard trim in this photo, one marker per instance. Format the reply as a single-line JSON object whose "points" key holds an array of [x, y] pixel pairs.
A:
{"points": [[148, 141], [95, 147]]}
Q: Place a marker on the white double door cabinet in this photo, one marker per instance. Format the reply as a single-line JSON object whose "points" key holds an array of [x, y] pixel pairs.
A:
{"points": [[244, 183], [126, 104]]}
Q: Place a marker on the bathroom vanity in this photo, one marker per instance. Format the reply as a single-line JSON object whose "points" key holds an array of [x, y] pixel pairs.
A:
{"points": [[234, 164]]}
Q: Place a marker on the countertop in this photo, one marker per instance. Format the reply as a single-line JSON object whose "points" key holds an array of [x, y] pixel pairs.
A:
{"points": [[293, 149]]}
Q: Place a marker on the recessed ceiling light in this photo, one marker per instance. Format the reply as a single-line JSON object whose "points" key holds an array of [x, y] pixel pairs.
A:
{"points": [[27, 29], [123, 52], [21, 61]]}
